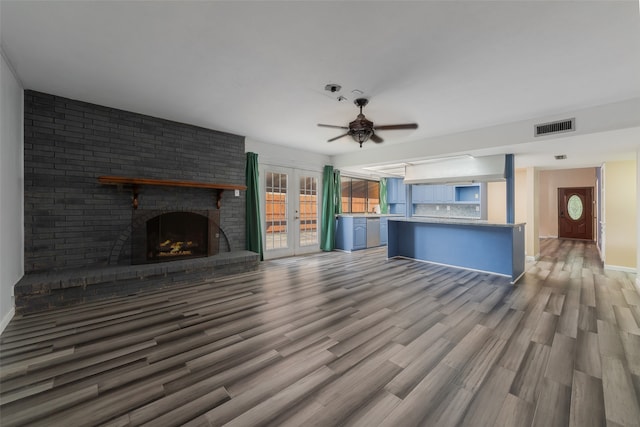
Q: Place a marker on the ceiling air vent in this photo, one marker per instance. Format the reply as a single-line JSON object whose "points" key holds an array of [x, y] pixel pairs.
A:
{"points": [[560, 126]]}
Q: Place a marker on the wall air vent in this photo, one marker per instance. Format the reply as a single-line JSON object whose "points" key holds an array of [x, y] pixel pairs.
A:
{"points": [[560, 126]]}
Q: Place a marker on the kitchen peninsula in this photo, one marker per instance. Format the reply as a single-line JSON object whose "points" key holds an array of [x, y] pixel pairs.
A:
{"points": [[472, 244]]}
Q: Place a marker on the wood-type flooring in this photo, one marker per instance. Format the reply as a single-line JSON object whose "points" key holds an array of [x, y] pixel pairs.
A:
{"points": [[340, 339]]}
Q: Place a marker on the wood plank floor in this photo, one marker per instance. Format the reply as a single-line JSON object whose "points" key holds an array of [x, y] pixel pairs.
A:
{"points": [[340, 339]]}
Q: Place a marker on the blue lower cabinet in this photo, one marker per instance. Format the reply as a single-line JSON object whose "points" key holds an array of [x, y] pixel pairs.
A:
{"points": [[351, 232], [384, 226], [359, 233], [344, 233]]}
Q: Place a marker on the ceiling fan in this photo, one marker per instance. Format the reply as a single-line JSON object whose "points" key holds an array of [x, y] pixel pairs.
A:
{"points": [[362, 129]]}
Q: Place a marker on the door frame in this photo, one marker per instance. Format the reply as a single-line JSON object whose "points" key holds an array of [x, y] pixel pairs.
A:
{"points": [[293, 217]]}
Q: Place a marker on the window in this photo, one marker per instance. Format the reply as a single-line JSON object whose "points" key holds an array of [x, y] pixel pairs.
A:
{"points": [[359, 195]]}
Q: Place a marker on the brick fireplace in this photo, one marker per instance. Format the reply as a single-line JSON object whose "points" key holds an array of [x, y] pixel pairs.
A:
{"points": [[75, 223], [162, 236]]}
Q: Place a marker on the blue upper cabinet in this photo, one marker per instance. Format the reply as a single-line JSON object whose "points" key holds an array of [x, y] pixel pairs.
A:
{"points": [[444, 194], [422, 193], [431, 193], [395, 191], [467, 193]]}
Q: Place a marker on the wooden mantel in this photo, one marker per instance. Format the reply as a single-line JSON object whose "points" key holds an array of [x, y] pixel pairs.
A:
{"points": [[136, 182]]}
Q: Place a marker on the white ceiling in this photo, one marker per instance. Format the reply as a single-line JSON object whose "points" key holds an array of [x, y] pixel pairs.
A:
{"points": [[259, 69]]}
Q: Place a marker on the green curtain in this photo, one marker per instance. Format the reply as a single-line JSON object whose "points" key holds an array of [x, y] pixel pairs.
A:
{"points": [[337, 191], [253, 229], [384, 207], [328, 212]]}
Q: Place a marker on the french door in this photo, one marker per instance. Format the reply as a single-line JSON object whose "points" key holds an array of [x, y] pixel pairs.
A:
{"points": [[290, 209]]}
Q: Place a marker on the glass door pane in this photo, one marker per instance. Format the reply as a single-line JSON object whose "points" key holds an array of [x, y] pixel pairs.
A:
{"points": [[308, 211], [276, 211]]}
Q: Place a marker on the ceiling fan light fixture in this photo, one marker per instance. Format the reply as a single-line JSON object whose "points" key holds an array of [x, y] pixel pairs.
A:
{"points": [[361, 129], [361, 135]]}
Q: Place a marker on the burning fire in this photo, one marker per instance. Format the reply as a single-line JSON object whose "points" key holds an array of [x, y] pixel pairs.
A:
{"points": [[169, 248]]}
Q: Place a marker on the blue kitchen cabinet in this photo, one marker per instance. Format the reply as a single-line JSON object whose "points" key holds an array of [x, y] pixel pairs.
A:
{"points": [[359, 233], [467, 193], [384, 226], [397, 209], [344, 233], [444, 194], [432, 193], [422, 193], [395, 191]]}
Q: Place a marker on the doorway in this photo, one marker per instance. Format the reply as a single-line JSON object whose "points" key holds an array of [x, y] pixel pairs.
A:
{"points": [[575, 213], [290, 202]]}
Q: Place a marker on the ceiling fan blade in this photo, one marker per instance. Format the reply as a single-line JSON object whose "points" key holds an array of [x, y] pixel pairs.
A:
{"points": [[332, 126], [397, 127], [375, 138], [337, 137]]}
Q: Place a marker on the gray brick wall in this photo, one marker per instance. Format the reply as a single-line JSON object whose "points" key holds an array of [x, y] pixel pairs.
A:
{"points": [[73, 221]]}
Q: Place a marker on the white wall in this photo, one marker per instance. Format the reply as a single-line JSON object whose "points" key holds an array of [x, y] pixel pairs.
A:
{"points": [[621, 219], [638, 221], [11, 188], [550, 181], [278, 155]]}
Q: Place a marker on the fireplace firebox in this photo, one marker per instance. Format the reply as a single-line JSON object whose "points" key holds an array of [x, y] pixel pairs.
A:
{"points": [[169, 236]]}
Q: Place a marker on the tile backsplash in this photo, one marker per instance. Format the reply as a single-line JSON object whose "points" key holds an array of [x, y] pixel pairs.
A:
{"points": [[440, 210]]}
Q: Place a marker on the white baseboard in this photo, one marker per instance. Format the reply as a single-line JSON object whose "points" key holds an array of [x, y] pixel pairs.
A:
{"points": [[530, 258], [620, 268], [547, 237], [6, 319]]}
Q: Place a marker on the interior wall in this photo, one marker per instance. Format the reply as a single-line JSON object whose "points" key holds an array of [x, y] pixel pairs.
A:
{"points": [[496, 202], [11, 189], [526, 207], [550, 181], [532, 212], [497, 196], [620, 204], [637, 222], [521, 195]]}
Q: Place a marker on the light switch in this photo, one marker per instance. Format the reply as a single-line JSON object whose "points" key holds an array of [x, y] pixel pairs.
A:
{"points": [[237, 193]]}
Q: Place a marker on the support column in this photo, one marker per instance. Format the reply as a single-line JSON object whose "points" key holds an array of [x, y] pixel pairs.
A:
{"points": [[509, 174]]}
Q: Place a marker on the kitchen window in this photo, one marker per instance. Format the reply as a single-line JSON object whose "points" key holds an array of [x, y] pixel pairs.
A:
{"points": [[359, 195]]}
